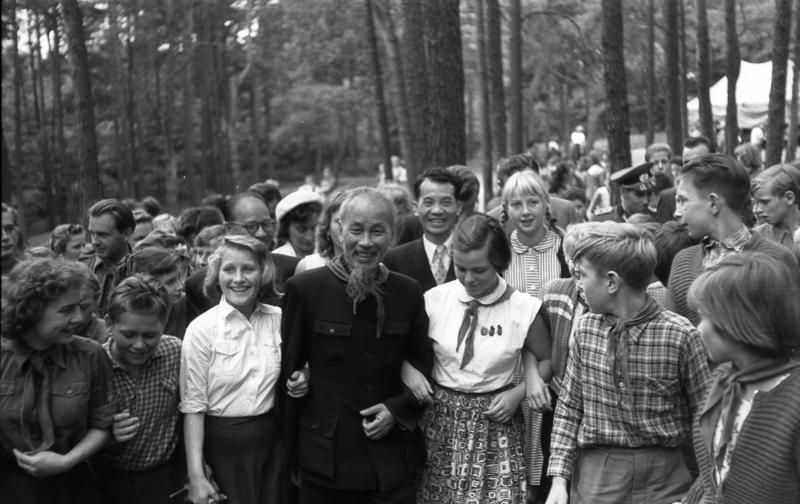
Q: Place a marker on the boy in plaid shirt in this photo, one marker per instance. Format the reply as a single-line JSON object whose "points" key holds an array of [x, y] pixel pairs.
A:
{"points": [[139, 466], [635, 375]]}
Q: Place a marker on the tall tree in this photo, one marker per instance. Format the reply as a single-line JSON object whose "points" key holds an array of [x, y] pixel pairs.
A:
{"points": [[384, 22], [776, 116], [7, 172], [380, 101], [672, 77], [64, 167], [416, 75], [516, 142], [190, 169], [88, 167], [484, 112], [684, 81], [704, 74], [445, 82], [794, 108], [651, 71], [18, 167], [494, 60], [617, 119], [733, 64]]}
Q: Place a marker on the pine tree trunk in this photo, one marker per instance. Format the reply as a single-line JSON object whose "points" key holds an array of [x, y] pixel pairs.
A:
{"points": [[704, 75], [380, 100], [516, 142], [684, 84], [776, 116], [651, 71], [190, 169], [672, 78], [88, 168], [494, 65], [484, 109], [63, 173], [617, 119], [446, 82], [384, 21], [8, 172], [37, 76], [416, 76], [733, 64], [794, 108]]}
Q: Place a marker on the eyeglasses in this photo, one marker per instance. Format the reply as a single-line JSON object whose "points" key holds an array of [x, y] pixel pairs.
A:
{"points": [[252, 227]]}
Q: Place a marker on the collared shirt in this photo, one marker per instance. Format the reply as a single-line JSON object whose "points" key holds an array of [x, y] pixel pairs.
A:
{"points": [[285, 249], [669, 375], [714, 251], [499, 336], [108, 276], [80, 392], [776, 234], [532, 268], [153, 398], [430, 250], [229, 363]]}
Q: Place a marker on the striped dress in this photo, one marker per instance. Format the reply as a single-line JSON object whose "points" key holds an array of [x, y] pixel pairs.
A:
{"points": [[530, 270]]}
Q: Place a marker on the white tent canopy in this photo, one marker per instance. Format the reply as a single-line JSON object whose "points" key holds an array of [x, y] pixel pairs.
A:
{"points": [[752, 95]]}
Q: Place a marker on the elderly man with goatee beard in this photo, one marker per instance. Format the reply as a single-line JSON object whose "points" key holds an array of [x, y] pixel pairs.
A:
{"points": [[347, 328]]}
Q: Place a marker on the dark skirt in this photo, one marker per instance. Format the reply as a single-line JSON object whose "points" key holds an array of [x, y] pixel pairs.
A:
{"points": [[470, 458], [76, 486], [246, 458]]}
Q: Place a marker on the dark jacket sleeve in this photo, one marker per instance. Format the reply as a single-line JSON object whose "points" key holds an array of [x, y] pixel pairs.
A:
{"points": [[294, 357], [405, 408]]}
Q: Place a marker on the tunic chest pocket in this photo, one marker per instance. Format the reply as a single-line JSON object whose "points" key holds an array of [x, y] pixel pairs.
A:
{"points": [[333, 342], [395, 336], [69, 402], [225, 358]]}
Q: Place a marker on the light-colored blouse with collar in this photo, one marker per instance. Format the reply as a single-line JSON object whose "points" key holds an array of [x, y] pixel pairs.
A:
{"points": [[532, 268], [499, 336], [229, 363]]}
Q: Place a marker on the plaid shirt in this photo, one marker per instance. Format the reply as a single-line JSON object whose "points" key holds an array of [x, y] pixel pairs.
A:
{"points": [[668, 374], [152, 397]]}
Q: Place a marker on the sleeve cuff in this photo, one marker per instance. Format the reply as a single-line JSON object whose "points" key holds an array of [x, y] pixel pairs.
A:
{"points": [[187, 407]]}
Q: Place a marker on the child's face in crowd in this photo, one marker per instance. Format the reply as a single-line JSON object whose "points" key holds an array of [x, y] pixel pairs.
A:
{"points": [[134, 337], [475, 272], [526, 212], [592, 284], [717, 347]]}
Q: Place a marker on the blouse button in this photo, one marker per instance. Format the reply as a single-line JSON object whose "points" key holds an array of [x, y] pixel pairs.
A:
{"points": [[332, 332], [69, 390]]}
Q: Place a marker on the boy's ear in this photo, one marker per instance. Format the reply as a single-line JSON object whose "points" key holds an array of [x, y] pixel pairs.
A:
{"points": [[613, 282]]}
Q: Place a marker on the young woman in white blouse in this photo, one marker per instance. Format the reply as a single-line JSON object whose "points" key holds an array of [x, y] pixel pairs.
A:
{"points": [[480, 328], [229, 369]]}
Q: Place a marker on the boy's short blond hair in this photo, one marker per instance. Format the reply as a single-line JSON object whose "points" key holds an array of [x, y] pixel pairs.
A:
{"points": [[626, 249]]}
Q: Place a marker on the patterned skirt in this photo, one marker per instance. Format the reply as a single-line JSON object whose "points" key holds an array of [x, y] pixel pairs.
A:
{"points": [[471, 460]]}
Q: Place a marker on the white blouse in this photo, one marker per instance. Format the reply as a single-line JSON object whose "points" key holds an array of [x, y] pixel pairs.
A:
{"points": [[499, 336], [230, 364]]}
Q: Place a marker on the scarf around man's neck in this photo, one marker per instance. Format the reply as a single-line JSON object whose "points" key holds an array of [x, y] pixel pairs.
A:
{"points": [[617, 347], [342, 271], [725, 396]]}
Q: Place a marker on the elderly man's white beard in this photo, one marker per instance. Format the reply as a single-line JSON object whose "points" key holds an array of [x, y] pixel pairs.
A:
{"points": [[362, 282]]}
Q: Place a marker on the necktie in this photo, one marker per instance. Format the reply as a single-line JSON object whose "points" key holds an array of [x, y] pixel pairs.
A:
{"points": [[36, 405], [439, 271], [467, 331]]}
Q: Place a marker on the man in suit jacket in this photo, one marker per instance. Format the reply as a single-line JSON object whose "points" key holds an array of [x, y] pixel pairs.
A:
{"points": [[354, 437], [245, 213], [427, 259]]}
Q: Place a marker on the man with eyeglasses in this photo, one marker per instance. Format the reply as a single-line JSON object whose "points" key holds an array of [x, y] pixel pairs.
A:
{"points": [[245, 213]]}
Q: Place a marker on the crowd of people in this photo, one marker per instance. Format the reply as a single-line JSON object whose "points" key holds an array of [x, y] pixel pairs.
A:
{"points": [[376, 346]]}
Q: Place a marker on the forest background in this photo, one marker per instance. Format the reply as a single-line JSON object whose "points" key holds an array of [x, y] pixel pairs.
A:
{"points": [[182, 98]]}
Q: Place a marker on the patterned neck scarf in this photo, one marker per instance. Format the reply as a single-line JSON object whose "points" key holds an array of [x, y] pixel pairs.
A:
{"points": [[715, 251], [617, 349], [342, 271]]}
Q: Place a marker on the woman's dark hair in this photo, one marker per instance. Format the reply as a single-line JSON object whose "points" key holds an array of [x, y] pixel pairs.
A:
{"points": [[479, 230], [151, 205], [32, 285], [670, 238], [300, 213], [157, 261], [561, 175]]}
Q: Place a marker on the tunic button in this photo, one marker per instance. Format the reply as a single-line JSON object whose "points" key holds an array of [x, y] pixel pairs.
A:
{"points": [[69, 390], [621, 384], [332, 332]]}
